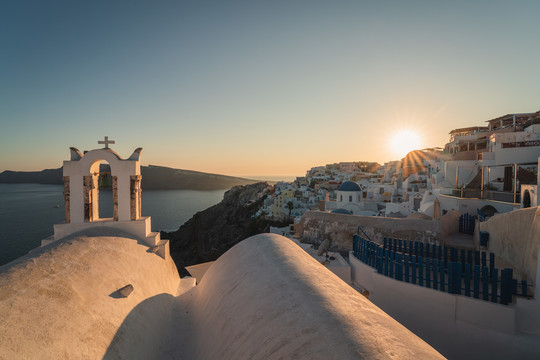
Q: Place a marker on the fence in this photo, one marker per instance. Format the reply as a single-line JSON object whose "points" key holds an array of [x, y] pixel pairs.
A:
{"points": [[441, 253], [466, 224], [441, 268]]}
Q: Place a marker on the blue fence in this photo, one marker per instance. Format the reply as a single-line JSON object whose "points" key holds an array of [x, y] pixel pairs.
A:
{"points": [[447, 269], [466, 224], [441, 253]]}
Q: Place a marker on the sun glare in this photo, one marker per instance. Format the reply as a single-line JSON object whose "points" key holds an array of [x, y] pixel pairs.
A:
{"points": [[404, 141]]}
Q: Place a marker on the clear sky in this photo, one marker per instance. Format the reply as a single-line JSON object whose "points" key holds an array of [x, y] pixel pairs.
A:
{"points": [[257, 87]]}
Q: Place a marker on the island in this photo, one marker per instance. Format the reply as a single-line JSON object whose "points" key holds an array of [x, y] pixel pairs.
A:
{"points": [[154, 178]]}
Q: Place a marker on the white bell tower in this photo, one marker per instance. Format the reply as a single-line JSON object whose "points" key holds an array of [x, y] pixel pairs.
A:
{"points": [[81, 197]]}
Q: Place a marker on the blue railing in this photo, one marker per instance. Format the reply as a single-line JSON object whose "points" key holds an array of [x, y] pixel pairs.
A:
{"points": [[441, 268], [466, 224], [441, 253]]}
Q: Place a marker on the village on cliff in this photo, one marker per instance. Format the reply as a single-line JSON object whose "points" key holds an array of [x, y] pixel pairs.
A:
{"points": [[463, 220], [482, 170]]}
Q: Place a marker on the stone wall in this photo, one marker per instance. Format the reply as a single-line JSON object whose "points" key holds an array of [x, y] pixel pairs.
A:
{"points": [[315, 226]]}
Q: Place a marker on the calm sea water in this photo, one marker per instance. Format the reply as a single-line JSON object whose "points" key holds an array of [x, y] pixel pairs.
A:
{"points": [[28, 212]]}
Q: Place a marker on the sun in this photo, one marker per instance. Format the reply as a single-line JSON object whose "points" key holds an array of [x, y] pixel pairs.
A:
{"points": [[405, 141]]}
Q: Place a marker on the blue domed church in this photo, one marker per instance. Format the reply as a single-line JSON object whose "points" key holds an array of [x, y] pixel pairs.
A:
{"points": [[349, 197]]}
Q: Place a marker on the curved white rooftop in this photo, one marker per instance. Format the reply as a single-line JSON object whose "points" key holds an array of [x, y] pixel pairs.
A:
{"points": [[60, 302], [268, 299], [263, 299]]}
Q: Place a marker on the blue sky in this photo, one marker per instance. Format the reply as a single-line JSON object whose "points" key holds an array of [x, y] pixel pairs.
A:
{"points": [[253, 87]]}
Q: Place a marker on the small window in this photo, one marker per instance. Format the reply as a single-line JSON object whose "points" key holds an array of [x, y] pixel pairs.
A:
{"points": [[350, 198]]}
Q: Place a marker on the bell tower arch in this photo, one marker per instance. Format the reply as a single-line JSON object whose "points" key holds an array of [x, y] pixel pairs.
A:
{"points": [[81, 195]]}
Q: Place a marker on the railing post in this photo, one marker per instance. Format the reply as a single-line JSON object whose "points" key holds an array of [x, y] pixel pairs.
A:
{"points": [[428, 272], [494, 283], [453, 254], [371, 255], [491, 263], [391, 272], [468, 280], [450, 277], [386, 262], [420, 271], [366, 252], [441, 275], [413, 268], [399, 267], [457, 278], [485, 283], [524, 288], [435, 273], [454, 278], [476, 290], [407, 267], [506, 286]]}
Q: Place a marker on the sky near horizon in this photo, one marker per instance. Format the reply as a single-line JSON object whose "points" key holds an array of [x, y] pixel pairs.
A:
{"points": [[257, 88]]}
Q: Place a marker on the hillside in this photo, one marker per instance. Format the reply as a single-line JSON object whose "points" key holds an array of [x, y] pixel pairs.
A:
{"points": [[210, 233], [154, 178], [160, 177], [47, 176]]}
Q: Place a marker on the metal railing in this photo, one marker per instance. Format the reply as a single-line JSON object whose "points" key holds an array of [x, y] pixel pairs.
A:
{"points": [[448, 269]]}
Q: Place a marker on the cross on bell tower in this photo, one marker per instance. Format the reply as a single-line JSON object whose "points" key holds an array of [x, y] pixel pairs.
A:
{"points": [[106, 142]]}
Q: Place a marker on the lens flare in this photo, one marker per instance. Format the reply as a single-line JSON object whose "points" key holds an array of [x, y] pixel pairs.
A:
{"points": [[405, 141]]}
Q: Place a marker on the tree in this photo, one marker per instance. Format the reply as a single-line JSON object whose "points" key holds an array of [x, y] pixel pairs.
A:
{"points": [[290, 206]]}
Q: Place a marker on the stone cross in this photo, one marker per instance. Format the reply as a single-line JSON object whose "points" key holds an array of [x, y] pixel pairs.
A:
{"points": [[106, 142]]}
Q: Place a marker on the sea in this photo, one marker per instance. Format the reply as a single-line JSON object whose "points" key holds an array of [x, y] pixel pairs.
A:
{"points": [[29, 211]]}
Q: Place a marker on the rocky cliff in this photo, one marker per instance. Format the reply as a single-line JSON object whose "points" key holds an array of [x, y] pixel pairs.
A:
{"points": [[210, 233]]}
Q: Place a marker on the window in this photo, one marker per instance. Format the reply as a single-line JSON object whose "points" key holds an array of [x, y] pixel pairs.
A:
{"points": [[350, 198], [340, 197]]}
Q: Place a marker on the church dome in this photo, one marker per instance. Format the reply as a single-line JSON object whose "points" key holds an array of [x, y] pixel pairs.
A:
{"points": [[349, 186]]}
